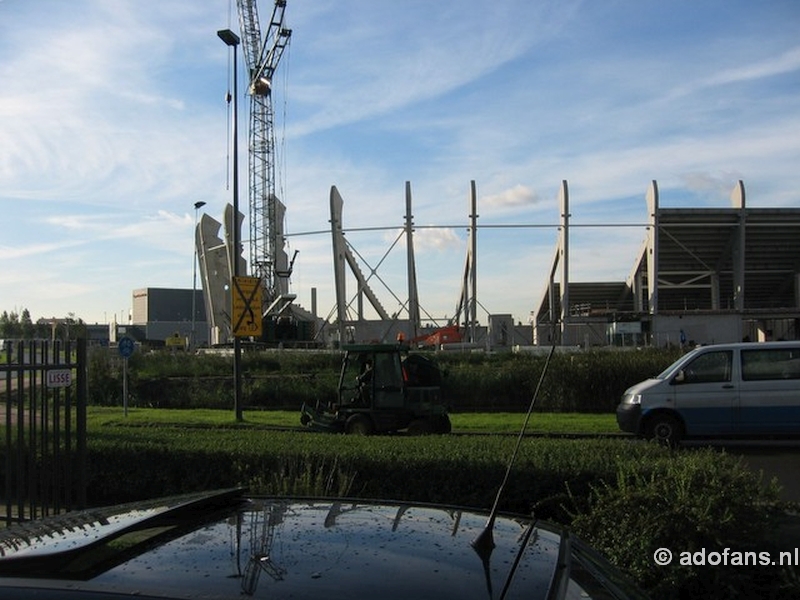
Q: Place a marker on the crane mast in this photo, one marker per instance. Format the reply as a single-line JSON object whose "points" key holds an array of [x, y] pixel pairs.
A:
{"points": [[262, 54]]}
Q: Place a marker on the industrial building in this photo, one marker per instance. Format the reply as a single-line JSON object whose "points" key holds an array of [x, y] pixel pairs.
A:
{"points": [[164, 316], [702, 275]]}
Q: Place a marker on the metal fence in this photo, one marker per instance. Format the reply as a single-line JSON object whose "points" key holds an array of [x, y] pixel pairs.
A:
{"points": [[43, 394]]}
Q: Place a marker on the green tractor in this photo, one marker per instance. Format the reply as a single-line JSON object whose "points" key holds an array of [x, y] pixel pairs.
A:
{"points": [[383, 388]]}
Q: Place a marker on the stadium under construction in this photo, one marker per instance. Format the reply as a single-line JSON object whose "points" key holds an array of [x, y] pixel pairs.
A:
{"points": [[701, 275]]}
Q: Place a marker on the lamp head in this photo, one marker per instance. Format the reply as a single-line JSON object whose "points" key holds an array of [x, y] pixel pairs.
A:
{"points": [[227, 36]]}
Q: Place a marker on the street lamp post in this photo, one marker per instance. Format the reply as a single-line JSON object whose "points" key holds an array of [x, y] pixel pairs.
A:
{"points": [[197, 206], [232, 41]]}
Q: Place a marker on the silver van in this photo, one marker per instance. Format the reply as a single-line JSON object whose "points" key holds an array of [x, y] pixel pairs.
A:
{"points": [[721, 390]]}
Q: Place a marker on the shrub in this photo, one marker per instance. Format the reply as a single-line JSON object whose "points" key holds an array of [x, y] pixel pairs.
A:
{"points": [[691, 502], [591, 381], [104, 378]]}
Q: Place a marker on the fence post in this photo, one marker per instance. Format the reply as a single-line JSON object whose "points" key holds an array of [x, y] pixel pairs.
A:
{"points": [[82, 382], [9, 433]]}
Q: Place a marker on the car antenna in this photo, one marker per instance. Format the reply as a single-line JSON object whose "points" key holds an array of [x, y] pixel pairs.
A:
{"points": [[483, 544]]}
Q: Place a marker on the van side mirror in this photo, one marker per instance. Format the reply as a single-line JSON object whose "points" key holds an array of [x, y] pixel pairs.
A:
{"points": [[680, 377]]}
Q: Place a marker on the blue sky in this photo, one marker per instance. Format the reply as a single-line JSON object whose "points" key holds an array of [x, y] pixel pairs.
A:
{"points": [[113, 123]]}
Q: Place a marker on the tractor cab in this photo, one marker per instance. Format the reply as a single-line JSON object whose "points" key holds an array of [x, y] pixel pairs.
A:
{"points": [[383, 388]]}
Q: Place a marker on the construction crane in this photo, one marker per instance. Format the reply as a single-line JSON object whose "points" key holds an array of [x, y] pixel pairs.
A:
{"points": [[262, 54]]}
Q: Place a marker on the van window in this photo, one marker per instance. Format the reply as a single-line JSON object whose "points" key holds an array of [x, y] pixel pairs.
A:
{"points": [[711, 367], [776, 363]]}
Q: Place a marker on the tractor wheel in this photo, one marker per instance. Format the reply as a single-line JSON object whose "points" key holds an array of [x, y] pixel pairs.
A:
{"points": [[359, 425], [443, 424], [421, 427]]}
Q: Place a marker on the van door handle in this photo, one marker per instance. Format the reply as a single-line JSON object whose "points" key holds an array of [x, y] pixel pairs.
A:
{"points": [[728, 386]]}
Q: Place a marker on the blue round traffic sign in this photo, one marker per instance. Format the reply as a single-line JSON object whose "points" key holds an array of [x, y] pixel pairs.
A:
{"points": [[126, 347]]}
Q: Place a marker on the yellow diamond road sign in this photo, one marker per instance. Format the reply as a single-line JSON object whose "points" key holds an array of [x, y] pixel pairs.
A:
{"points": [[246, 307]]}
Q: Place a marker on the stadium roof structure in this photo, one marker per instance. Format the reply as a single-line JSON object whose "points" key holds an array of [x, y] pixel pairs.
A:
{"points": [[737, 259]]}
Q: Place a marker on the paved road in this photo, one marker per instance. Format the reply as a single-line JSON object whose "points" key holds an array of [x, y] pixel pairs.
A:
{"points": [[783, 464], [776, 458]]}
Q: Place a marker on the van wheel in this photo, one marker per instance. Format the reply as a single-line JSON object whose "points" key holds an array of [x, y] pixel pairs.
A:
{"points": [[664, 429], [359, 425]]}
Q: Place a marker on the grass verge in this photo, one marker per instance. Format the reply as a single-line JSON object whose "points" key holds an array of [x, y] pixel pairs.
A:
{"points": [[546, 423]]}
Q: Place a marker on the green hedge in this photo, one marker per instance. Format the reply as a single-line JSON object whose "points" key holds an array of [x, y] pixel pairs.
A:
{"points": [[164, 379], [158, 461], [591, 381], [168, 460]]}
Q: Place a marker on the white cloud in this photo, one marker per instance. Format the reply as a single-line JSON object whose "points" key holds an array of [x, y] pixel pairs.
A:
{"points": [[436, 239], [519, 195], [13, 253], [785, 62]]}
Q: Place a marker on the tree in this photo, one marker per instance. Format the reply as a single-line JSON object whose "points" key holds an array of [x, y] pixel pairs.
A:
{"points": [[4, 329], [14, 325], [9, 325], [27, 328]]}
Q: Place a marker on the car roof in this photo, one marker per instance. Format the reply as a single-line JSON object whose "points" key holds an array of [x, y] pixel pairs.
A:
{"points": [[225, 544]]}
